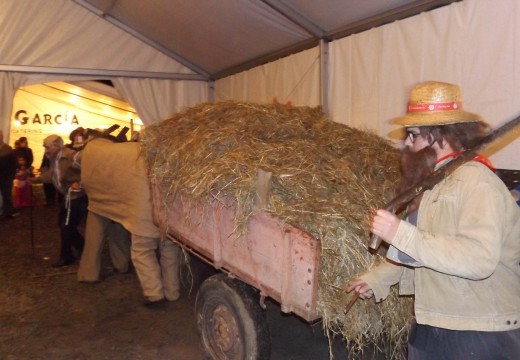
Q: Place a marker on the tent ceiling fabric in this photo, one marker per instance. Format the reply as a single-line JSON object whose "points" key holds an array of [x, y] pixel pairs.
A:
{"points": [[219, 38]]}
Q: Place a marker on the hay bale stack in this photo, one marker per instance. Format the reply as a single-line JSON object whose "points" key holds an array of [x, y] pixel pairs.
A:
{"points": [[326, 180]]}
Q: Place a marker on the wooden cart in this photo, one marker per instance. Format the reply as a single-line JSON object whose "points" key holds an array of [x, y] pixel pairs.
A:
{"points": [[273, 260]]}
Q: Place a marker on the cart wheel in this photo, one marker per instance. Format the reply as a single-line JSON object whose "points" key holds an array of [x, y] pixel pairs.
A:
{"points": [[230, 321], [193, 272]]}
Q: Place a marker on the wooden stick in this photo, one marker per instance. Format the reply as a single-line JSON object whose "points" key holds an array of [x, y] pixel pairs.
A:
{"points": [[263, 188], [351, 303], [430, 181], [54, 274]]}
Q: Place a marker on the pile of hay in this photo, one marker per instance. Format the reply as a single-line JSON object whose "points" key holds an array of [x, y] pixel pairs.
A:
{"points": [[327, 178]]}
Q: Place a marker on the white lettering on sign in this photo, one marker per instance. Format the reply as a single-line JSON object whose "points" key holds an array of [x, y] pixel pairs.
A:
{"points": [[45, 119]]}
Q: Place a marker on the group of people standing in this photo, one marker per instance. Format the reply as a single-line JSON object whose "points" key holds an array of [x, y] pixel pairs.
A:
{"points": [[134, 241], [103, 196], [16, 173]]}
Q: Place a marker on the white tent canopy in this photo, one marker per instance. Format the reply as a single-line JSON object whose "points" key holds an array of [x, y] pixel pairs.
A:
{"points": [[473, 43], [193, 41], [46, 41], [163, 55], [219, 38]]}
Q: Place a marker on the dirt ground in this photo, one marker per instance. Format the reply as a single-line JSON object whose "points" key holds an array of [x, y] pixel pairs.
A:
{"points": [[46, 314]]}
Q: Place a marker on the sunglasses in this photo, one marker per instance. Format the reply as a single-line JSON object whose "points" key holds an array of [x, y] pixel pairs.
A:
{"points": [[412, 136]]}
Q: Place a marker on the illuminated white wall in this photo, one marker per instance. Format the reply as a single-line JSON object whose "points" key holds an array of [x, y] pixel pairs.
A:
{"points": [[35, 117]]}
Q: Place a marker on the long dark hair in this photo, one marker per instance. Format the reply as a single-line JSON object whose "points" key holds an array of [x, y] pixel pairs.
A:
{"points": [[415, 166], [460, 136]]}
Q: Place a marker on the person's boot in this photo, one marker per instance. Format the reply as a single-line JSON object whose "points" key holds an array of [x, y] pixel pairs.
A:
{"points": [[62, 262]]}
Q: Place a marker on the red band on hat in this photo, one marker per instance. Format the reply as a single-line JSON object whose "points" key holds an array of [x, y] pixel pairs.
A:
{"points": [[454, 105]]}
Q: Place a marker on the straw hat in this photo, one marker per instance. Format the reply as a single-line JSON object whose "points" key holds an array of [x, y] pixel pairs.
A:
{"points": [[435, 103]]}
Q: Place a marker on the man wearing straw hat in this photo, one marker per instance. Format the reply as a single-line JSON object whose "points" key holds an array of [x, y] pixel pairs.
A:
{"points": [[462, 253]]}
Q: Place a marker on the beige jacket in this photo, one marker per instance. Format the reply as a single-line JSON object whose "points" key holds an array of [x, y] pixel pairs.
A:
{"points": [[115, 178], [468, 240]]}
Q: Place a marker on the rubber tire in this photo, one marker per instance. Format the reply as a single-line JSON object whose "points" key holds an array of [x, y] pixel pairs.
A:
{"points": [[230, 321]]}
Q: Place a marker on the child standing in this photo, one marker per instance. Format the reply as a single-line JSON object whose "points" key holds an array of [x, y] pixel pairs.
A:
{"points": [[22, 184]]}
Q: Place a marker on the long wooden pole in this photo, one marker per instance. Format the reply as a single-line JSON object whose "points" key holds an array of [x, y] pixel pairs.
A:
{"points": [[433, 179]]}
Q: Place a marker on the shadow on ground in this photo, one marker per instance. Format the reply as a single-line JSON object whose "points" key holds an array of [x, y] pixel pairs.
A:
{"points": [[46, 314]]}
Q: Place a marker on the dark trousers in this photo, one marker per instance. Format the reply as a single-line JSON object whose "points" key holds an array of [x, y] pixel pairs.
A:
{"points": [[50, 193], [432, 343], [70, 235], [6, 190]]}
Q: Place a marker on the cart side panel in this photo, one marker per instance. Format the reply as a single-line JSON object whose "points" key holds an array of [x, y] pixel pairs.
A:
{"points": [[192, 226], [291, 256], [278, 259], [301, 267]]}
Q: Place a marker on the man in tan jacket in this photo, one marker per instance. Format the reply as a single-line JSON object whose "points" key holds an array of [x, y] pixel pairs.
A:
{"points": [[114, 176], [461, 259]]}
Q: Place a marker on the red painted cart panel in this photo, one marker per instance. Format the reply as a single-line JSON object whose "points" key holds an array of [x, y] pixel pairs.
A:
{"points": [[280, 260]]}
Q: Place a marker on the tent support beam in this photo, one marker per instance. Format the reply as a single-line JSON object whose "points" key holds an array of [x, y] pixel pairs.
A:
{"points": [[387, 17], [211, 91], [304, 45], [324, 77], [390, 16], [143, 38], [100, 73], [295, 17]]}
